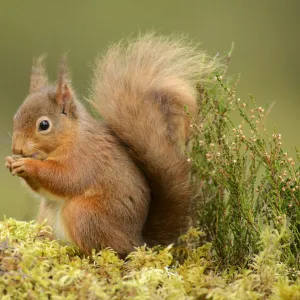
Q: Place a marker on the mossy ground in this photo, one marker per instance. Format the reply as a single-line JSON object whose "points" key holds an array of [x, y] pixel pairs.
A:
{"points": [[247, 238], [33, 267]]}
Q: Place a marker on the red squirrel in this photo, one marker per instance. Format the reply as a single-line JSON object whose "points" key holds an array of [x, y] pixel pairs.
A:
{"points": [[122, 181]]}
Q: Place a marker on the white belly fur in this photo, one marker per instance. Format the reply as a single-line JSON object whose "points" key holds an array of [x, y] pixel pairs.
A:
{"points": [[53, 214]]}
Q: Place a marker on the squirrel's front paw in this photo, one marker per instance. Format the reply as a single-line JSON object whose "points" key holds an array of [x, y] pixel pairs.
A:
{"points": [[9, 160], [20, 166]]}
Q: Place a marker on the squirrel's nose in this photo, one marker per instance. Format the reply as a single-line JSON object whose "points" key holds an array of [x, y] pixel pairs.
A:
{"points": [[18, 143], [17, 151]]}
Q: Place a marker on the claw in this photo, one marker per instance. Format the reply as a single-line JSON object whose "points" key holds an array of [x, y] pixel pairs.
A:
{"points": [[8, 166]]}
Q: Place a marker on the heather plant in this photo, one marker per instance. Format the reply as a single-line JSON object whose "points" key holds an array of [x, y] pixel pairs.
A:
{"points": [[243, 177]]}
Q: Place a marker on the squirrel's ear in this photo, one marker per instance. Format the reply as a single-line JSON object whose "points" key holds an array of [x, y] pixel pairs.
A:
{"points": [[64, 98], [63, 95], [38, 77]]}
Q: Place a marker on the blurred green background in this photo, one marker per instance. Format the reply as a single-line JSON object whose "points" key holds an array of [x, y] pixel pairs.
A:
{"points": [[265, 33]]}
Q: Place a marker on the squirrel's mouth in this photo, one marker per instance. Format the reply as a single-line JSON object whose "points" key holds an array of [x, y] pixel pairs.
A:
{"points": [[35, 155]]}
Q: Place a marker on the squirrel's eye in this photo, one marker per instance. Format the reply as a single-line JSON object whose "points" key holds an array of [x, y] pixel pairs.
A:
{"points": [[44, 125]]}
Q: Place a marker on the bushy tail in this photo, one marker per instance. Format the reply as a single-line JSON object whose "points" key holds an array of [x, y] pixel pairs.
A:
{"points": [[140, 87]]}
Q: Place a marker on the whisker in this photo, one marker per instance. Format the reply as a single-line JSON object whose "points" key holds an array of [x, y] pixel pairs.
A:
{"points": [[8, 133]]}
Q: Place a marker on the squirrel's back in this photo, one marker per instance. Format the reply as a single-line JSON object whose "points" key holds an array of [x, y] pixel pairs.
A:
{"points": [[140, 87]]}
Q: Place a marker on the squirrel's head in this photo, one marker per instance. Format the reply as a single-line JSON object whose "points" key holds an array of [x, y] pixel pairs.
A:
{"points": [[48, 117]]}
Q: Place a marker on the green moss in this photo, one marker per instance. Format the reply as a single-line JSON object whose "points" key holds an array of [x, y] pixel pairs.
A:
{"points": [[33, 267]]}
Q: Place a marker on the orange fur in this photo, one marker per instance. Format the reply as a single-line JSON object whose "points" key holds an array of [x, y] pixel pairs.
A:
{"points": [[121, 182]]}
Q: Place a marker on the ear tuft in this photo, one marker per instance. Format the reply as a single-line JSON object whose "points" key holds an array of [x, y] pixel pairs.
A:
{"points": [[64, 71], [38, 77]]}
